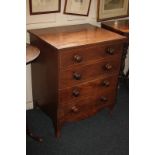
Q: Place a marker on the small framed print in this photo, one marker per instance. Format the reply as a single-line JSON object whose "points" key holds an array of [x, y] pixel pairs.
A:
{"points": [[77, 7], [110, 9], [44, 6]]}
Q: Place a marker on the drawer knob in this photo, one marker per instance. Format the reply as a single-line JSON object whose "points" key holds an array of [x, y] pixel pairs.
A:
{"points": [[76, 92], [110, 50], [74, 109], [108, 66], [77, 76], [106, 83], [104, 99], [77, 58]]}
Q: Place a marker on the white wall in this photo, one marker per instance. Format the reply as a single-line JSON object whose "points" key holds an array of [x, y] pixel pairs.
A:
{"points": [[55, 19], [50, 20]]}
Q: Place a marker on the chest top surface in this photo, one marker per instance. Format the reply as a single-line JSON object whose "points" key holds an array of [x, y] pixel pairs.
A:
{"points": [[75, 35]]}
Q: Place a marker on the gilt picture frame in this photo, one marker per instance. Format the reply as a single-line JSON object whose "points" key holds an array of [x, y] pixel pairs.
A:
{"points": [[44, 6], [111, 9], [77, 7]]}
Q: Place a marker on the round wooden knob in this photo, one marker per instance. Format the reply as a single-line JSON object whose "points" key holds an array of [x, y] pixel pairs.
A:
{"points": [[74, 109], [77, 76], [77, 58], [110, 50], [106, 83], [104, 99], [108, 66], [76, 92]]}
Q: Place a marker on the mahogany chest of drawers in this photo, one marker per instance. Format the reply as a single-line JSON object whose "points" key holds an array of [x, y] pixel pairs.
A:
{"points": [[77, 71]]}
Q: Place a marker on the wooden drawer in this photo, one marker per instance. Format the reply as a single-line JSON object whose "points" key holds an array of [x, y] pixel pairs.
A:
{"points": [[77, 75], [88, 89], [86, 106], [85, 55]]}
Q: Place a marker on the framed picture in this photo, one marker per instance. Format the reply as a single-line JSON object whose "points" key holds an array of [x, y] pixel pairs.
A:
{"points": [[110, 9], [77, 7], [44, 6]]}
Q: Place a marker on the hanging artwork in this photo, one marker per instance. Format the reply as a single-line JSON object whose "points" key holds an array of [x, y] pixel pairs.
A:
{"points": [[109, 9], [77, 7], [44, 6]]}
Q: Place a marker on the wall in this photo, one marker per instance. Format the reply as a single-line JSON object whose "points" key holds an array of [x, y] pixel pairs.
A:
{"points": [[50, 20], [54, 19]]}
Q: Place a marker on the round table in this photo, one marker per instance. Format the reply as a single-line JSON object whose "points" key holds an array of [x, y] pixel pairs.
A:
{"points": [[32, 53]]}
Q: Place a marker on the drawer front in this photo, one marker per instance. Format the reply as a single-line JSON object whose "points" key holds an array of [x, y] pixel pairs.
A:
{"points": [[89, 105], [88, 89], [87, 54], [77, 75]]}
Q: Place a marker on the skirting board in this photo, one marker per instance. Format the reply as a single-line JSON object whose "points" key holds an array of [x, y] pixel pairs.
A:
{"points": [[29, 105]]}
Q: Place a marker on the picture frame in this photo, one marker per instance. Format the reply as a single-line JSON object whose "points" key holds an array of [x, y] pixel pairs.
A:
{"points": [[112, 9], [77, 7], [44, 6]]}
